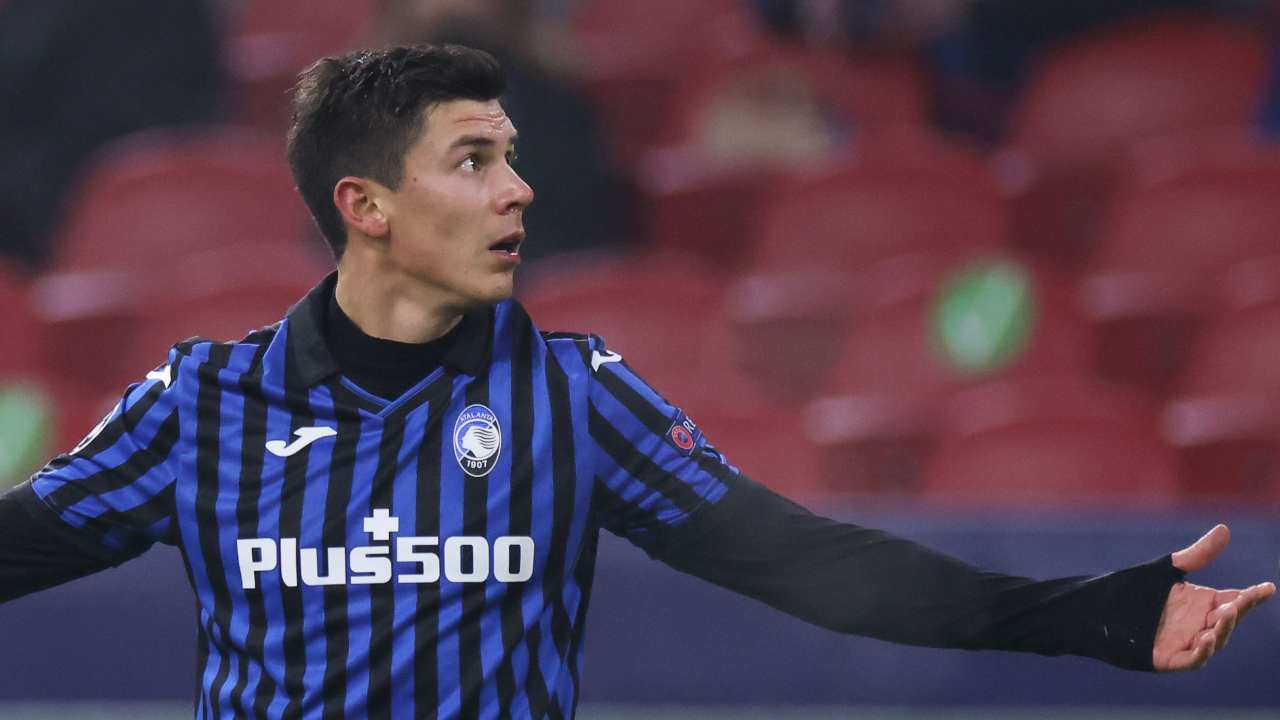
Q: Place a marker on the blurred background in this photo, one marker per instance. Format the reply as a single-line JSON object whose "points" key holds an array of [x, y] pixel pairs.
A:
{"points": [[1002, 276]]}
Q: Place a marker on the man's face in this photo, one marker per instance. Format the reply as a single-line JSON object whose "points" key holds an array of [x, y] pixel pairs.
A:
{"points": [[456, 222]]}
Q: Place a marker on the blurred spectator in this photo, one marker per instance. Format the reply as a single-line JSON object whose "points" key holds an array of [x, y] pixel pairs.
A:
{"points": [[980, 50], [74, 75], [769, 116], [580, 204]]}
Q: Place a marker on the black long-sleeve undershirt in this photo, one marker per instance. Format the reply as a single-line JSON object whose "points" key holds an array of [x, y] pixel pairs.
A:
{"points": [[867, 582], [38, 551]]}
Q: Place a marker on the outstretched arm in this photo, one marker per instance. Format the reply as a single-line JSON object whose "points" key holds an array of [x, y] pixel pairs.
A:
{"points": [[867, 582]]}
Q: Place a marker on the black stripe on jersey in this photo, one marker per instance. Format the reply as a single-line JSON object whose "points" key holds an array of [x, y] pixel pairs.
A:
{"points": [[156, 508], [202, 638], [382, 596], [139, 463], [475, 521], [127, 422], [334, 534], [520, 517], [565, 480], [253, 440], [426, 633], [651, 417], [292, 496], [208, 447], [639, 465], [621, 517], [583, 573]]}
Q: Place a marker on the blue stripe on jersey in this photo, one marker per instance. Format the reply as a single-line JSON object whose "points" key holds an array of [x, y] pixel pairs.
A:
{"points": [[405, 507], [451, 503], [497, 519], [311, 534], [535, 607], [230, 431], [359, 607], [278, 425]]}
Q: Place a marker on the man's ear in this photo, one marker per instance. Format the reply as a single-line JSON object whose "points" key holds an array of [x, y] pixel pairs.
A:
{"points": [[361, 202]]}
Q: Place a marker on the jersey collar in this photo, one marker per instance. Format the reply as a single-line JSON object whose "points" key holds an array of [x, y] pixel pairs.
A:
{"points": [[308, 359]]}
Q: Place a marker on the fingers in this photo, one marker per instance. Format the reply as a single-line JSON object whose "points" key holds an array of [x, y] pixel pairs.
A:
{"points": [[1252, 597], [1228, 609], [1224, 618], [1194, 657], [1223, 628], [1203, 551]]}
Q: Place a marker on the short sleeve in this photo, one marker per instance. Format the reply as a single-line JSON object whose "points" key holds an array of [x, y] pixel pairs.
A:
{"points": [[115, 488], [654, 468]]}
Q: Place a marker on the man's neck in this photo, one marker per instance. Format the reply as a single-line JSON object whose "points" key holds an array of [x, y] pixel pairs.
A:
{"points": [[392, 306]]}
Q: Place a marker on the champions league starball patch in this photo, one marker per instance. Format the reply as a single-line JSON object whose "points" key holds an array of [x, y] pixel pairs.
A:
{"points": [[683, 433], [477, 440]]}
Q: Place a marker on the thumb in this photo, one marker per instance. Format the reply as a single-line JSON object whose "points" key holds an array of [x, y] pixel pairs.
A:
{"points": [[1203, 551]]}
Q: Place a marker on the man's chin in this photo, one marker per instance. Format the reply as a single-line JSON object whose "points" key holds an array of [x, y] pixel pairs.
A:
{"points": [[495, 293]]}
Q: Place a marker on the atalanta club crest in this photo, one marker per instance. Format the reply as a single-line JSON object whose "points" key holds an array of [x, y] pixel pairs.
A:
{"points": [[477, 440]]}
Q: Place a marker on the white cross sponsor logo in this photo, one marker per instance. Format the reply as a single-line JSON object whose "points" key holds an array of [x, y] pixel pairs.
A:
{"points": [[509, 560], [306, 436], [601, 358]]}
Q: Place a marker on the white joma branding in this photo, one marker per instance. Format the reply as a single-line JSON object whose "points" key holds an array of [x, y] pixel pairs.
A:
{"points": [[164, 375], [306, 436], [510, 560], [600, 358]]}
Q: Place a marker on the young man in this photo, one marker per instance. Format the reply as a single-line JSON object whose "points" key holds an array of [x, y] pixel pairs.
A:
{"points": [[388, 503]]}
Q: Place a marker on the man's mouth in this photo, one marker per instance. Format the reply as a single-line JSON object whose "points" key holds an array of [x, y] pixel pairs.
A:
{"points": [[509, 245]]}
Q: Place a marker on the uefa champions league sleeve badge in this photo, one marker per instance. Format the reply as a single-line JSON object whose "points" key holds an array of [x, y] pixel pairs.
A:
{"points": [[477, 440]]}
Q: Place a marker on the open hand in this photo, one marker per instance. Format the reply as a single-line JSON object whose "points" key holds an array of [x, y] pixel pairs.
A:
{"points": [[1197, 620]]}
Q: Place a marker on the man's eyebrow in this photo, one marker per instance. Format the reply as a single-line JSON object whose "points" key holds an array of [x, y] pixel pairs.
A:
{"points": [[479, 141]]}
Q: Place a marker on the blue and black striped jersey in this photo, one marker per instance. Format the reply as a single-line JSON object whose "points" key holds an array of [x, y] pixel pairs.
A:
{"points": [[431, 555], [353, 556]]}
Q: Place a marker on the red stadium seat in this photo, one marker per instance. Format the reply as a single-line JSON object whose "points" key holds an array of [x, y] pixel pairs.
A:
{"points": [[1194, 206], [636, 53], [770, 445], [1050, 441], [20, 331], [650, 309], [901, 190], [858, 91], [1228, 446], [1091, 99], [797, 320], [875, 229], [708, 212], [160, 195], [712, 173], [881, 403], [117, 308], [1237, 353], [271, 41], [1048, 397], [1051, 466]]}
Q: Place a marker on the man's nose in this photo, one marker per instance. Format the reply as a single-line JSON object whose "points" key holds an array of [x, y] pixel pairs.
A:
{"points": [[516, 193]]}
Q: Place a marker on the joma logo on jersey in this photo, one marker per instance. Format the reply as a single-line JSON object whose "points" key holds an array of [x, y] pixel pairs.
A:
{"points": [[509, 560]]}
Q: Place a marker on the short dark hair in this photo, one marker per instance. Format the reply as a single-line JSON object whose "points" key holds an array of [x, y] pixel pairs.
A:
{"points": [[358, 114]]}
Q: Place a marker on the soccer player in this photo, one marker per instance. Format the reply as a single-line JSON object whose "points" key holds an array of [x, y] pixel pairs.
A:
{"points": [[388, 503]]}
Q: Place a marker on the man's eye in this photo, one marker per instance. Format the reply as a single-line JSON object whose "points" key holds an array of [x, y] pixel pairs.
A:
{"points": [[513, 158], [470, 162]]}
